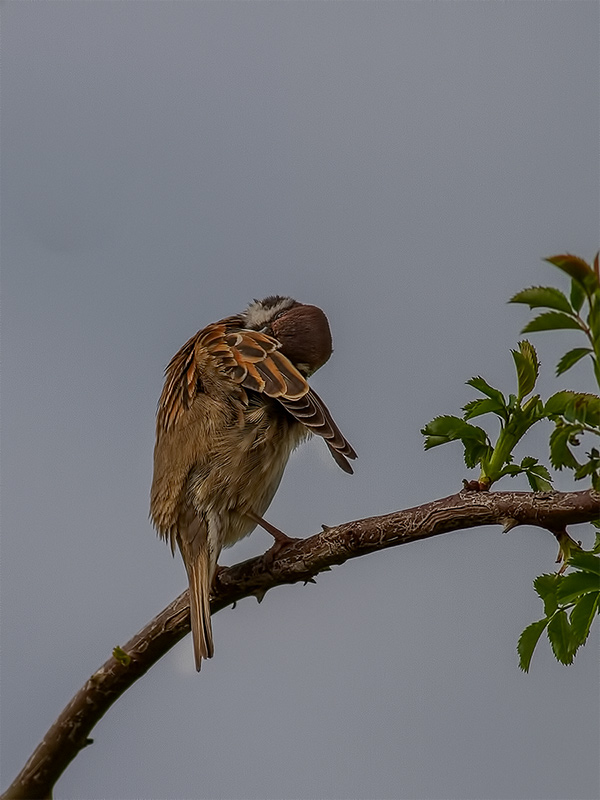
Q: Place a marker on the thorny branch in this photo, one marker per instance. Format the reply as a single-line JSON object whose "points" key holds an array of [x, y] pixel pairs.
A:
{"points": [[300, 561]]}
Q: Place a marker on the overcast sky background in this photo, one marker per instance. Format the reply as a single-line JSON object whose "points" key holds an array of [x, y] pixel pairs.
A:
{"points": [[405, 166]]}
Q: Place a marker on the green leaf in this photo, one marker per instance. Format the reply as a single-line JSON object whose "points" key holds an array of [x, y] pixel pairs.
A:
{"points": [[550, 321], [575, 407], [576, 268], [559, 633], [558, 403], [483, 386], [539, 478], [546, 586], [528, 641], [476, 453], [585, 560], [527, 366], [560, 454], [448, 428], [543, 297], [512, 470], [475, 408], [583, 615], [576, 584], [577, 295], [571, 358]]}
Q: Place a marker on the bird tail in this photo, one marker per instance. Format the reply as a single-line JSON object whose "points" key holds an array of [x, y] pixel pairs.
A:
{"points": [[200, 579], [200, 564]]}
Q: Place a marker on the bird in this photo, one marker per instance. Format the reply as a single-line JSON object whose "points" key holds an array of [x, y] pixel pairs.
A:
{"points": [[235, 403]]}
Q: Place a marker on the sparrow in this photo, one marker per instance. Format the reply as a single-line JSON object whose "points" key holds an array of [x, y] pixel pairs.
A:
{"points": [[235, 404]]}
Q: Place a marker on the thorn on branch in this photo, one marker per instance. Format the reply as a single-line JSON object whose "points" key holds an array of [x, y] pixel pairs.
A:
{"points": [[508, 524]]}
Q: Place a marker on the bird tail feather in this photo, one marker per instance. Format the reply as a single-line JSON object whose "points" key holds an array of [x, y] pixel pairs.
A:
{"points": [[200, 563], [200, 579]]}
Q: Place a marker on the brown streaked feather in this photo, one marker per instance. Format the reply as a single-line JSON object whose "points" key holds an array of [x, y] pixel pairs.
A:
{"points": [[296, 384], [311, 411], [252, 360], [180, 385]]}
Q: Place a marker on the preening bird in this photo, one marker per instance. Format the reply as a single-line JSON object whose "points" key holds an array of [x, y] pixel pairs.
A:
{"points": [[234, 405]]}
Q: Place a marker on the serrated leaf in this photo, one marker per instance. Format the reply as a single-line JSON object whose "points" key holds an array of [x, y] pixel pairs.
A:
{"points": [[576, 268], [576, 584], [528, 462], [571, 358], [512, 470], [560, 454], [538, 484], [546, 586], [586, 409], [550, 321], [585, 560], [558, 402], [487, 405], [452, 428], [528, 641], [589, 468], [484, 387], [581, 406], [575, 407], [577, 295], [543, 297], [583, 615], [542, 471], [527, 366], [559, 633], [476, 452], [539, 478]]}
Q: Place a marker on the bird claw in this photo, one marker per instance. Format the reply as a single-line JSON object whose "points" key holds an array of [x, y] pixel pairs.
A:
{"points": [[281, 543]]}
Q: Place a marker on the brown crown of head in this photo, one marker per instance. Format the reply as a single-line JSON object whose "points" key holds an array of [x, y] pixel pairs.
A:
{"points": [[305, 337]]}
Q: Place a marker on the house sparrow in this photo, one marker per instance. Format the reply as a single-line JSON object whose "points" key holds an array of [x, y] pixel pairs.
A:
{"points": [[234, 405]]}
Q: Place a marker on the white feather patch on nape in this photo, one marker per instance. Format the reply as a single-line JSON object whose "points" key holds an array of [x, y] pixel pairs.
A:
{"points": [[261, 313]]}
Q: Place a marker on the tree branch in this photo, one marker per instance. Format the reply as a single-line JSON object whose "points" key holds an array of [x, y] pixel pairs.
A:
{"points": [[299, 562]]}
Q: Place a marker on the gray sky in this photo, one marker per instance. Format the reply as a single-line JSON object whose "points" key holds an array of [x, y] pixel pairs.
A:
{"points": [[403, 165]]}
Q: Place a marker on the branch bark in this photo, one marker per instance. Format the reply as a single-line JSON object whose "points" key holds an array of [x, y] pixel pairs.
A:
{"points": [[299, 562]]}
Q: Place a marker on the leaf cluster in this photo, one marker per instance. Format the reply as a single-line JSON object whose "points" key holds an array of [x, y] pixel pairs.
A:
{"points": [[580, 311], [571, 602], [516, 414], [572, 413]]}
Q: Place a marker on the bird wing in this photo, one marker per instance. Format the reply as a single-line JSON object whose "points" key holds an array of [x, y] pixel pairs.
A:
{"points": [[255, 361], [252, 360]]}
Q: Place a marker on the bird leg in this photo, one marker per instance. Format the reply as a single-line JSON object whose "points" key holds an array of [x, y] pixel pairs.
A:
{"points": [[282, 540]]}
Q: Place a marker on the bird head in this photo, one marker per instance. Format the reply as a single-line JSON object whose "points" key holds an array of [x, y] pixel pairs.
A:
{"points": [[302, 330]]}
